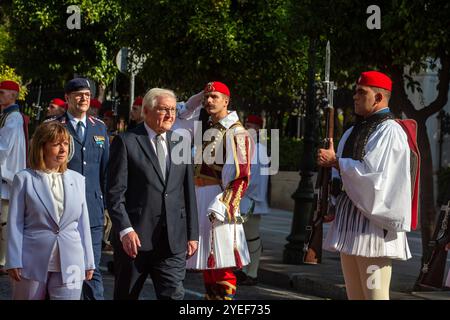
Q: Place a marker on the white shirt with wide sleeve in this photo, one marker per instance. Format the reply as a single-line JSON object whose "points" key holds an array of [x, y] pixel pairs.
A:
{"points": [[259, 182], [375, 210], [380, 185], [12, 150]]}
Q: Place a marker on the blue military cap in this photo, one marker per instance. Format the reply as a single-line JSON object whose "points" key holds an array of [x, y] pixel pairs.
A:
{"points": [[77, 84]]}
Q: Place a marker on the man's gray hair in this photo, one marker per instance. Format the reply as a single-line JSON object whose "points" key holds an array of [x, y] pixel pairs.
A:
{"points": [[152, 95]]}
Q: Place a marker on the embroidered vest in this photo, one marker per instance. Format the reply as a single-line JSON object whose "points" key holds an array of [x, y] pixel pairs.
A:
{"points": [[213, 153], [356, 143]]}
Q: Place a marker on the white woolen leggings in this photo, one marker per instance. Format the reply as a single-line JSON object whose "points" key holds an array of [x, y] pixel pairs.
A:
{"points": [[251, 228], [3, 226], [366, 278]]}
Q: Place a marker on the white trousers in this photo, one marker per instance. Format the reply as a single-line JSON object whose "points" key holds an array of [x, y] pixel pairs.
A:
{"points": [[27, 289]]}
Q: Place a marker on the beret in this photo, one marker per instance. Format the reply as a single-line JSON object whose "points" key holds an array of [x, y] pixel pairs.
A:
{"points": [[95, 103], [77, 84], [255, 119], [59, 102], [10, 85], [375, 79], [217, 86], [138, 101]]}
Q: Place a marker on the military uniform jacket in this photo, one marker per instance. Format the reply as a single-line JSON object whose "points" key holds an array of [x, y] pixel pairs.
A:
{"points": [[91, 159]]}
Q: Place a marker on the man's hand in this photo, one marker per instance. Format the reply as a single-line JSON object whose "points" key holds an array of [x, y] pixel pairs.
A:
{"points": [[15, 274], [192, 247], [195, 101], [447, 246], [131, 243], [89, 274], [327, 157]]}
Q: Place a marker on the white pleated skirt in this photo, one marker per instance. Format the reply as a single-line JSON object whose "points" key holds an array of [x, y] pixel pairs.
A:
{"points": [[223, 236], [354, 234]]}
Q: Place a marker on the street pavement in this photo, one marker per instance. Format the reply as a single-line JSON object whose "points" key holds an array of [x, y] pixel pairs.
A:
{"points": [[280, 281], [325, 279]]}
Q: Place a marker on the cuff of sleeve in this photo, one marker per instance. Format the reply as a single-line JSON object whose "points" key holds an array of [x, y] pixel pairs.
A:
{"points": [[124, 232], [217, 208]]}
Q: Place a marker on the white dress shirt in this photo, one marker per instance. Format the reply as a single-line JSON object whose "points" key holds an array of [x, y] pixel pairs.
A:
{"points": [[74, 121], [152, 136], [55, 184]]}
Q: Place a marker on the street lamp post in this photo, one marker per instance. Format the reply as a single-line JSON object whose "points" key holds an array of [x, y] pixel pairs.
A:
{"points": [[304, 195]]}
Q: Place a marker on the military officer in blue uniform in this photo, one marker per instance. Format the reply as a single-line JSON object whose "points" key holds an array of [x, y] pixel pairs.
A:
{"points": [[90, 158]]}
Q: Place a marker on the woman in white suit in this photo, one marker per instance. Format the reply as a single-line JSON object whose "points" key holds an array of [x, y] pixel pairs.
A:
{"points": [[49, 248]]}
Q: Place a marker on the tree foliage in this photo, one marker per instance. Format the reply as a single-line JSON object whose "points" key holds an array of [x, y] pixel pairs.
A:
{"points": [[43, 47], [243, 43]]}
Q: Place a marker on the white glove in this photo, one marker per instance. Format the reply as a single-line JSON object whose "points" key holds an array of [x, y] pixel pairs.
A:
{"points": [[217, 209]]}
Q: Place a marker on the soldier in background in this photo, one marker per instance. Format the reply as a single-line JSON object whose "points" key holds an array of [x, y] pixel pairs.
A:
{"points": [[91, 145], [254, 204], [56, 108], [136, 116], [94, 107], [13, 152]]}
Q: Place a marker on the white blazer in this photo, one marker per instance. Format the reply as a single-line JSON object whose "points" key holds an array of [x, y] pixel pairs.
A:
{"points": [[33, 227]]}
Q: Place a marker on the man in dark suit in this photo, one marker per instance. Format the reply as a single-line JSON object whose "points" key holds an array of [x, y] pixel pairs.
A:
{"points": [[151, 201], [90, 158]]}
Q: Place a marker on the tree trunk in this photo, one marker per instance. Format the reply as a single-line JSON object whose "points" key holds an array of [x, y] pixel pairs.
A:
{"points": [[427, 212], [401, 102]]}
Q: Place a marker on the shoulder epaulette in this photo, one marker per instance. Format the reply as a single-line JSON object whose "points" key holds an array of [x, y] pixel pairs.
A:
{"points": [[92, 119], [237, 127], [50, 119], [61, 119]]}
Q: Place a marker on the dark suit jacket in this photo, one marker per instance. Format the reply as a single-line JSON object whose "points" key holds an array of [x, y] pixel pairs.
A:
{"points": [[138, 197]]}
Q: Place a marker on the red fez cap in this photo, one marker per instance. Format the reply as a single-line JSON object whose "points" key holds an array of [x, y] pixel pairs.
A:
{"points": [[108, 114], [255, 119], [96, 104], [58, 102], [375, 79], [10, 85], [138, 101], [217, 86]]}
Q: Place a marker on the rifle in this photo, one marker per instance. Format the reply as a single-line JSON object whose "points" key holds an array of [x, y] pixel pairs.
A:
{"points": [[322, 211], [431, 275]]}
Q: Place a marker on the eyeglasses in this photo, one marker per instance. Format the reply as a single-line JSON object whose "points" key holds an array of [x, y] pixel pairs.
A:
{"points": [[166, 110]]}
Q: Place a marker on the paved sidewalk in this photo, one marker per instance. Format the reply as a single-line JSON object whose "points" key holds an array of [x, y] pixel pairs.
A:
{"points": [[325, 279]]}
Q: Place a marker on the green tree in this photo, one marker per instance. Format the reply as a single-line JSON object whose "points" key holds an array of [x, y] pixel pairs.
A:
{"points": [[244, 43], [44, 48], [5, 39]]}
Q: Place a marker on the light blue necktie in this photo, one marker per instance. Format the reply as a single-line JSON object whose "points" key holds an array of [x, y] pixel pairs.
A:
{"points": [[80, 130], [161, 155]]}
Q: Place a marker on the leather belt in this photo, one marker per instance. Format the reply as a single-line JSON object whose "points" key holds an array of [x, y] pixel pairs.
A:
{"points": [[201, 182]]}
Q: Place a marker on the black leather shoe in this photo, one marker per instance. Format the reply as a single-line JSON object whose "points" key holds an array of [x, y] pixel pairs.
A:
{"points": [[244, 279], [240, 276], [249, 281]]}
